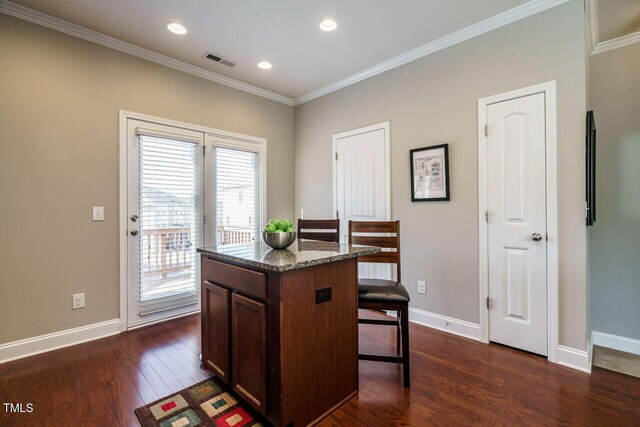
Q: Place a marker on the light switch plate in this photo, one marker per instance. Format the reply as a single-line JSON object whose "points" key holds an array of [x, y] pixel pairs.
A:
{"points": [[422, 287], [98, 213]]}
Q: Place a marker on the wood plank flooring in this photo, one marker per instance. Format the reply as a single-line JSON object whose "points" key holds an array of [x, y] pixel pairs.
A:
{"points": [[454, 382]]}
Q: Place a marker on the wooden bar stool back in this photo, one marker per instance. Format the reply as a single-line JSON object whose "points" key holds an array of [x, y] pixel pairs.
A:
{"points": [[326, 230], [382, 294]]}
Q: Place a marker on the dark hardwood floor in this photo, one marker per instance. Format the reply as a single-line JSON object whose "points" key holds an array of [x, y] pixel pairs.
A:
{"points": [[454, 382]]}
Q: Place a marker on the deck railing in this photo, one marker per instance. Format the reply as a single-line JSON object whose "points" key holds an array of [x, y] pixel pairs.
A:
{"points": [[232, 235], [169, 249], [166, 250]]}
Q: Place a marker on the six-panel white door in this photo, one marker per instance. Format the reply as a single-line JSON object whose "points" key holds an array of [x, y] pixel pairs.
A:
{"points": [[517, 223]]}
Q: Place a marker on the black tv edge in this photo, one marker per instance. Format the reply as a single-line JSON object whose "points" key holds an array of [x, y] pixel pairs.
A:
{"points": [[591, 169]]}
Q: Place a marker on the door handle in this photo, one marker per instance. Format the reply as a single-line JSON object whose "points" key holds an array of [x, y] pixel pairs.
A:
{"points": [[134, 218], [536, 237], [134, 232]]}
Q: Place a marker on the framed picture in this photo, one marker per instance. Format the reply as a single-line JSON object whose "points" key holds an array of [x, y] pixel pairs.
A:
{"points": [[430, 173]]}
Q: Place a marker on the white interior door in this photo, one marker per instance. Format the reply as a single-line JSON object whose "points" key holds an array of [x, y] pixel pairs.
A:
{"points": [[164, 220], [517, 245], [362, 183]]}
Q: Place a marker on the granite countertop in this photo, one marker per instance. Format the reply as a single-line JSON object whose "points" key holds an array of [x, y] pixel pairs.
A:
{"points": [[302, 253]]}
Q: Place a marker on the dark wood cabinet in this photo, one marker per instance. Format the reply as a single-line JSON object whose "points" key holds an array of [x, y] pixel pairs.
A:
{"points": [[216, 328], [234, 329], [249, 350], [286, 342]]}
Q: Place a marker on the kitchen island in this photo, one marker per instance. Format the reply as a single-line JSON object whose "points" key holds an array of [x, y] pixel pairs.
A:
{"points": [[280, 327]]}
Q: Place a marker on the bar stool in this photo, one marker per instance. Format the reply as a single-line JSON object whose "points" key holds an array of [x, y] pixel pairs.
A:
{"points": [[381, 294], [328, 230]]}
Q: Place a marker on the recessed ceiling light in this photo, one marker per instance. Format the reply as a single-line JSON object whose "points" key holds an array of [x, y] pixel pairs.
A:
{"points": [[328, 25], [264, 65], [176, 28]]}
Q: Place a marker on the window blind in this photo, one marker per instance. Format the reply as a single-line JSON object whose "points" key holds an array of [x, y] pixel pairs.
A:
{"points": [[169, 224], [237, 192]]}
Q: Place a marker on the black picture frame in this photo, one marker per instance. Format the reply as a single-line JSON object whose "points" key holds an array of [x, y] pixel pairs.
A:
{"points": [[591, 169], [422, 194]]}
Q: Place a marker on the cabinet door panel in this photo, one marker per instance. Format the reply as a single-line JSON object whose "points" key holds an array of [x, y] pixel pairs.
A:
{"points": [[249, 350], [215, 329]]}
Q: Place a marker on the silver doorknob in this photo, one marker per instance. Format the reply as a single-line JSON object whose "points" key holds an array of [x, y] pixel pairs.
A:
{"points": [[134, 218], [536, 237], [134, 232]]}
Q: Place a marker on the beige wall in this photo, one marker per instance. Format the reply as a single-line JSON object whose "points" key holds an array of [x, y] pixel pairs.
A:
{"points": [[59, 102], [433, 101], [614, 259]]}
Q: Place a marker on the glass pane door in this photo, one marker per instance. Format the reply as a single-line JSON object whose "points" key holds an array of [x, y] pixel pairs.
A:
{"points": [[168, 216], [165, 222], [237, 196]]}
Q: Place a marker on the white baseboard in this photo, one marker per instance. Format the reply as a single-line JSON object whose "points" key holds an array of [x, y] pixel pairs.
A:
{"points": [[574, 359], [443, 323], [43, 343], [567, 356], [124, 327], [616, 342]]}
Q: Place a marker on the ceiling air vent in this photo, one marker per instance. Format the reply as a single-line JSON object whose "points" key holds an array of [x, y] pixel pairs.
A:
{"points": [[219, 59]]}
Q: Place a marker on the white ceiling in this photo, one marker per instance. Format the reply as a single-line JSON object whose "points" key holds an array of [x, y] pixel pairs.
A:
{"points": [[284, 32]]}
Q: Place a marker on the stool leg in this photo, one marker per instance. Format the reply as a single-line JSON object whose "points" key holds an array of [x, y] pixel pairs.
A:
{"points": [[398, 333], [404, 319]]}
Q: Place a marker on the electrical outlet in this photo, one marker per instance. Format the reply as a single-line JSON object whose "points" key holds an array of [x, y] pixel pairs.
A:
{"points": [[98, 213], [422, 287], [78, 301]]}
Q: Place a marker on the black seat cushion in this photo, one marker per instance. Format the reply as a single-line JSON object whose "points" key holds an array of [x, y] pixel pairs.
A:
{"points": [[382, 290]]}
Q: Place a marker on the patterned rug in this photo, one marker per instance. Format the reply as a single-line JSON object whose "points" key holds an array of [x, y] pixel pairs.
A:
{"points": [[208, 403]]}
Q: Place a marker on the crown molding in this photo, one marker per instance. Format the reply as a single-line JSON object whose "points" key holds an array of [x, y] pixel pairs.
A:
{"points": [[45, 20], [517, 13], [591, 10], [616, 43], [592, 23], [530, 8]]}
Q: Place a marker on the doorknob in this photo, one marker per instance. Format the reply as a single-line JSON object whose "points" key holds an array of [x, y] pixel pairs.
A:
{"points": [[536, 237], [134, 218], [134, 232]]}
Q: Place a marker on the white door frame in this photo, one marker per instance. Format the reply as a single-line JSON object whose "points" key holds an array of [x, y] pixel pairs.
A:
{"points": [[387, 158], [549, 89], [124, 188]]}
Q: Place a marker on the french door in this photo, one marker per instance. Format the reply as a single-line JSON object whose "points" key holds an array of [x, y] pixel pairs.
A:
{"points": [[165, 220], [185, 188]]}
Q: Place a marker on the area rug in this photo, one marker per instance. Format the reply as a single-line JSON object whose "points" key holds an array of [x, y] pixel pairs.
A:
{"points": [[208, 403]]}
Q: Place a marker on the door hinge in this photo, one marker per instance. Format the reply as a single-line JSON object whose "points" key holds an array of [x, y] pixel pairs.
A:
{"points": [[336, 157], [337, 214], [204, 219], [204, 150], [486, 130], [488, 302], [486, 216]]}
